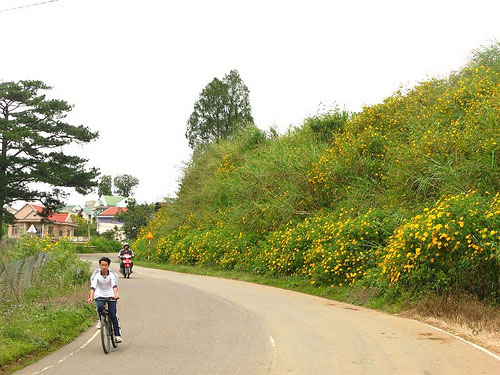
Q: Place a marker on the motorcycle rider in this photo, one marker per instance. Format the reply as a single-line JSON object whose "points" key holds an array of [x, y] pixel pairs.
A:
{"points": [[125, 251]]}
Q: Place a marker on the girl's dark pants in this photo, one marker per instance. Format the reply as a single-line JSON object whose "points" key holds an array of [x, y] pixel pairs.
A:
{"points": [[112, 312]]}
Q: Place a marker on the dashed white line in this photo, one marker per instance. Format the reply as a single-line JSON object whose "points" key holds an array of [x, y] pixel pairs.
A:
{"points": [[42, 370], [89, 340], [271, 340], [69, 355]]}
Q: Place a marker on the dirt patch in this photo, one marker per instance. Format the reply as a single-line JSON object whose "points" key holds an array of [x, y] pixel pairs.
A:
{"points": [[75, 297], [463, 316], [430, 336]]}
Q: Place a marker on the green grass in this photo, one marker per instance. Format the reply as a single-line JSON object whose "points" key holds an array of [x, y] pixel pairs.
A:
{"points": [[47, 314], [31, 330]]}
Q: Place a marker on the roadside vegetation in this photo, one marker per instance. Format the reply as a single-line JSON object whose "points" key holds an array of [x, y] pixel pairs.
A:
{"points": [[398, 205], [48, 310]]}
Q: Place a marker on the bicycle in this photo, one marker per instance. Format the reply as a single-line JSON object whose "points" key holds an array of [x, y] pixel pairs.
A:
{"points": [[107, 331]]}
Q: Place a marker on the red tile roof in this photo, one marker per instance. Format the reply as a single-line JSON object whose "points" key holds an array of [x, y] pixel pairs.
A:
{"points": [[57, 217], [112, 211]]}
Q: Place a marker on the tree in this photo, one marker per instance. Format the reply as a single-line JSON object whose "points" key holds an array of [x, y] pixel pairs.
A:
{"points": [[124, 184], [223, 107], [136, 216], [33, 134], [105, 185]]}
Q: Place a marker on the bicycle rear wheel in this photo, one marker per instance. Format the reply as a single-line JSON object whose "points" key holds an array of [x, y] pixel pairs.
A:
{"points": [[105, 334]]}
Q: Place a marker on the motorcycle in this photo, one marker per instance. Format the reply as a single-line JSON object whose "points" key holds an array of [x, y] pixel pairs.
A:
{"points": [[127, 265]]}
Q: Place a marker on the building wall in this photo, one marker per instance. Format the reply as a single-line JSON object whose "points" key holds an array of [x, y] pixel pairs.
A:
{"points": [[26, 217], [54, 230]]}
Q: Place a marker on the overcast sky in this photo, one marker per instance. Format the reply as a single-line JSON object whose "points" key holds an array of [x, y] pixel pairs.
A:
{"points": [[134, 69]]}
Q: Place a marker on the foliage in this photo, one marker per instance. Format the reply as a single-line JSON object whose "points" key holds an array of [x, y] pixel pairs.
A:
{"points": [[59, 287], [105, 245], [27, 246], [455, 245], [125, 184], [222, 108], [333, 250], [136, 216], [32, 136], [327, 124], [339, 200], [105, 185], [84, 228]]}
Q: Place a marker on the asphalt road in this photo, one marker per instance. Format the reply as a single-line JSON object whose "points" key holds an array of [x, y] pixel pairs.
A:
{"points": [[183, 324]]}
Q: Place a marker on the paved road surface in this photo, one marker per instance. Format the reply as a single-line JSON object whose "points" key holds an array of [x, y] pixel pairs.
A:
{"points": [[184, 324]]}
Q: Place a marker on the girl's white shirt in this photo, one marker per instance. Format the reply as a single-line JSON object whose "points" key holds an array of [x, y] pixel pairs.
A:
{"points": [[103, 285]]}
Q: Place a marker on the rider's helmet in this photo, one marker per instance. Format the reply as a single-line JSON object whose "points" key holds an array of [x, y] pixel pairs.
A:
{"points": [[125, 244]]}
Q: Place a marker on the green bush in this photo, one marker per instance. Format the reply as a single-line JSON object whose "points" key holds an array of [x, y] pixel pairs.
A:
{"points": [[105, 245], [327, 124], [455, 245]]}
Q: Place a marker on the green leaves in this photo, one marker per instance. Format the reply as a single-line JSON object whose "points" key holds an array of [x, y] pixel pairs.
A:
{"points": [[124, 184], [223, 107], [32, 134], [105, 186]]}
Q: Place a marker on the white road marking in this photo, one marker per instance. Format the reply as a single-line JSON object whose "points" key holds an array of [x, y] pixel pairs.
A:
{"points": [[69, 355], [89, 340], [273, 343], [462, 339], [42, 370]]}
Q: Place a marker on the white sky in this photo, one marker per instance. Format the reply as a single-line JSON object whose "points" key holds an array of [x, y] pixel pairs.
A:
{"points": [[134, 69]]}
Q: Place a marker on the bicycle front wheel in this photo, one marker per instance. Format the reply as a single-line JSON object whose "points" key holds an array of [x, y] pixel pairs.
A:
{"points": [[112, 333], [105, 334]]}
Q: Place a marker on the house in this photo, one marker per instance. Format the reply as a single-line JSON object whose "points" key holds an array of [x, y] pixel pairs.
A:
{"points": [[85, 212], [105, 201], [28, 220], [106, 221]]}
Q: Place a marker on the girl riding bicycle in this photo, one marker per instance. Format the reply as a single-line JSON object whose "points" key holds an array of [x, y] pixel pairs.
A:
{"points": [[103, 285]]}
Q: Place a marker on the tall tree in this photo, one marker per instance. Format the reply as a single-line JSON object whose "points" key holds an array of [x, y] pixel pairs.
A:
{"points": [[222, 108], [124, 184], [33, 134], [105, 185]]}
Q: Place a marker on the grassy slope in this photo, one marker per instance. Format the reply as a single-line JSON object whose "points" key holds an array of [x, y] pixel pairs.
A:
{"points": [[388, 208], [328, 197]]}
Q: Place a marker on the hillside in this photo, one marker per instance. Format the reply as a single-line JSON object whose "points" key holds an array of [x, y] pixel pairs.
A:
{"points": [[403, 196]]}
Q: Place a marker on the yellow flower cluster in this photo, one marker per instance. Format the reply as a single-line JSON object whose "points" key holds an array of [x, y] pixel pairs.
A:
{"points": [[458, 237], [225, 166], [328, 251]]}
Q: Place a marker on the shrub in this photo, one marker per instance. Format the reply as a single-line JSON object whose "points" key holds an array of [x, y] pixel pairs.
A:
{"points": [[332, 249], [326, 124], [455, 245], [105, 245]]}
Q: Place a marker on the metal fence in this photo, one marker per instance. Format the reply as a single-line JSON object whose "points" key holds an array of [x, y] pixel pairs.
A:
{"points": [[15, 277]]}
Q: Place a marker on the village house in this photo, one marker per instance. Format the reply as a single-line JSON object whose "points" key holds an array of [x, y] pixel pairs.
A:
{"points": [[28, 220], [106, 221], [84, 212], [106, 201]]}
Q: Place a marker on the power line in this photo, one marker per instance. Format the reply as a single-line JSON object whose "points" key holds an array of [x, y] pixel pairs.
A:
{"points": [[28, 5]]}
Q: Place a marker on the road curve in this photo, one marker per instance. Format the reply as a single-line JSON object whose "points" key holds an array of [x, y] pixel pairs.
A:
{"points": [[184, 324]]}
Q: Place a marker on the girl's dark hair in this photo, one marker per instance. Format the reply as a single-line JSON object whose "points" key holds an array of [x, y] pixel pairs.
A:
{"points": [[105, 259]]}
